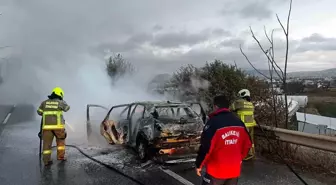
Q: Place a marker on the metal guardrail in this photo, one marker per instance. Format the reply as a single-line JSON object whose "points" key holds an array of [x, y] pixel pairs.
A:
{"points": [[322, 142]]}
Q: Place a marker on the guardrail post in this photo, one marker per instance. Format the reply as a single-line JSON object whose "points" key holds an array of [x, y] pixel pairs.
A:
{"points": [[322, 129]]}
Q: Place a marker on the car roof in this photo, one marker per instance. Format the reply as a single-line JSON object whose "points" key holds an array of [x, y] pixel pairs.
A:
{"points": [[162, 103]]}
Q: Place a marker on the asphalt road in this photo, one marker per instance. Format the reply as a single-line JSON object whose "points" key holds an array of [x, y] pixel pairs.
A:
{"points": [[19, 164]]}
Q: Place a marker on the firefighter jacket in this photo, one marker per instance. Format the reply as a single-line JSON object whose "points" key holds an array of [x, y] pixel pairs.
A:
{"points": [[245, 111], [51, 111], [225, 142]]}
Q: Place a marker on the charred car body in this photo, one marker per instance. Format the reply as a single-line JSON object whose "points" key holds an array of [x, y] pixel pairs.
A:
{"points": [[164, 130]]}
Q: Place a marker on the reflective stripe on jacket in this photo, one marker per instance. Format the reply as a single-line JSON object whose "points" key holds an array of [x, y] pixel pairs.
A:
{"points": [[52, 113], [245, 111]]}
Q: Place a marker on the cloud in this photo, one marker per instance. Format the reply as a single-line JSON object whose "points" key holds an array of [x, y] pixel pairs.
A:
{"points": [[157, 27], [317, 42], [131, 43], [176, 39], [166, 40], [255, 10], [64, 42], [232, 42], [221, 32], [250, 9]]}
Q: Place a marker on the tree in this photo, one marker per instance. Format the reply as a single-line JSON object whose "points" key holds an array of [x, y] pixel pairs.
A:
{"points": [[117, 67], [273, 65]]}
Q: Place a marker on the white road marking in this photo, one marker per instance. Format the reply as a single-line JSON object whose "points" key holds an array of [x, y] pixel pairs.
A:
{"points": [[180, 161], [177, 177], [6, 119], [8, 115]]}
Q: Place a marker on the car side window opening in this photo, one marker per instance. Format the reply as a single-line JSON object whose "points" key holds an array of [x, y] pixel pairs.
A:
{"points": [[132, 108], [123, 114], [118, 113], [136, 116], [138, 112], [197, 108]]}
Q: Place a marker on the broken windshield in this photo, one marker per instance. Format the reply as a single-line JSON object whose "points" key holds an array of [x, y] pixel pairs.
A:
{"points": [[175, 112]]}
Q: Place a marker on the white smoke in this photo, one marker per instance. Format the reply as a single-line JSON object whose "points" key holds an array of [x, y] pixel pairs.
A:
{"points": [[198, 83], [53, 43]]}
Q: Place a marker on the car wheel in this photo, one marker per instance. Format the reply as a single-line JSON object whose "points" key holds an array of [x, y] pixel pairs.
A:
{"points": [[142, 150]]}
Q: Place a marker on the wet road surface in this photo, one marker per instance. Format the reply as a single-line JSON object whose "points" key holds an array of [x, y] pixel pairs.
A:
{"points": [[19, 164]]}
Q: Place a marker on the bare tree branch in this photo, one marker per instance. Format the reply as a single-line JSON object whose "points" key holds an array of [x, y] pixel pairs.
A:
{"points": [[262, 49], [271, 61], [287, 38], [273, 55], [271, 41], [274, 113], [284, 80], [235, 64], [286, 62], [282, 26], [252, 64]]}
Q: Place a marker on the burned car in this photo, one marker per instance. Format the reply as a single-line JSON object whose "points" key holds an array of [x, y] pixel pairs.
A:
{"points": [[163, 129]]}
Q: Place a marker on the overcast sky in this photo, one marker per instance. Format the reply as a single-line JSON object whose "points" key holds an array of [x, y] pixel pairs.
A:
{"points": [[166, 33]]}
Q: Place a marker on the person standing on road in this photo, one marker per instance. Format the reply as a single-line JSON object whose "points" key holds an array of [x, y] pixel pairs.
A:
{"points": [[224, 144], [53, 124], [244, 109]]}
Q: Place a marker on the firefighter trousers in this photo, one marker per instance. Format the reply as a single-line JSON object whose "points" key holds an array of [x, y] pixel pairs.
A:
{"points": [[48, 137]]}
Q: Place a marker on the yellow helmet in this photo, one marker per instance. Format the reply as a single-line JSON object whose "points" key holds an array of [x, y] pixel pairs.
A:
{"points": [[58, 91]]}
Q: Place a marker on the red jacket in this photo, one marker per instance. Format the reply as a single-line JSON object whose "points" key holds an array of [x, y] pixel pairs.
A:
{"points": [[225, 142]]}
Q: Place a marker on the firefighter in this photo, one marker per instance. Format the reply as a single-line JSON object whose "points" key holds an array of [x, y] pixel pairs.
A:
{"points": [[53, 124], [224, 144], [244, 109]]}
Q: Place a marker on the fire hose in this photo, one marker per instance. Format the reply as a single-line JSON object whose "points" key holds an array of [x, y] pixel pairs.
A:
{"points": [[140, 183], [91, 158], [99, 162]]}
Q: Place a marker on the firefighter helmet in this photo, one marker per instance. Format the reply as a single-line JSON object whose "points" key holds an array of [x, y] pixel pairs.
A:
{"points": [[58, 91], [244, 93]]}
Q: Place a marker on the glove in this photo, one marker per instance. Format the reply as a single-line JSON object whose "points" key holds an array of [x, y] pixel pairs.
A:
{"points": [[39, 135]]}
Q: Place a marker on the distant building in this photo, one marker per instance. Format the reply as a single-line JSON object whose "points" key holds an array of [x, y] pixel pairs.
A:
{"points": [[308, 82]]}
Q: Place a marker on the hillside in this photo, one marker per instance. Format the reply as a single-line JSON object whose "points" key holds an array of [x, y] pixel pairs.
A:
{"points": [[323, 74]]}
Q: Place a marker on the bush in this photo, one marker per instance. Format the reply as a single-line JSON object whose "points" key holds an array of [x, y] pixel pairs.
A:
{"points": [[117, 67]]}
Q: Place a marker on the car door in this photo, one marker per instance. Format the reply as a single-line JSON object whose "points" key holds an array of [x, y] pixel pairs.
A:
{"points": [[120, 115], [95, 114], [198, 108]]}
